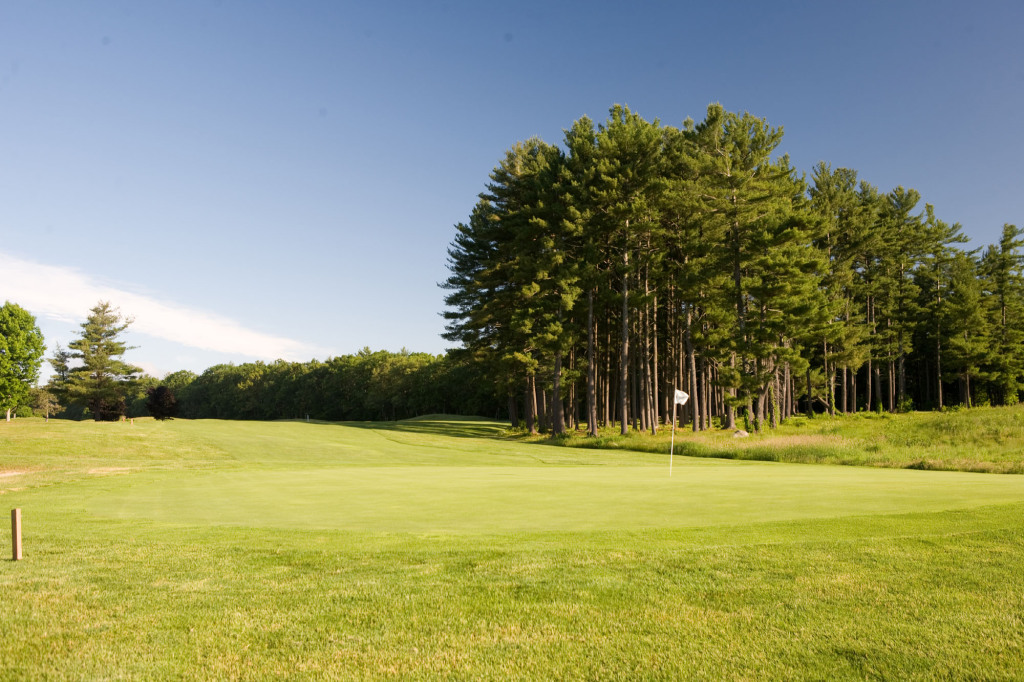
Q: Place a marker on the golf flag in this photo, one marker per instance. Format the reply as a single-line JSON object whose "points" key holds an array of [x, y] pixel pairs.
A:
{"points": [[681, 398]]}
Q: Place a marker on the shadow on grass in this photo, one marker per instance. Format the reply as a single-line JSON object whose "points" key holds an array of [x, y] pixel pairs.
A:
{"points": [[455, 426]]}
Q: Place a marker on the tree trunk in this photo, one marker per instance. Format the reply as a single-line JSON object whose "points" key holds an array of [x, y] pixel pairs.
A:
{"points": [[890, 385], [624, 349], [832, 391], [830, 397], [606, 397], [705, 383], [655, 387], [877, 379], [730, 411], [572, 412], [851, 395], [787, 393], [775, 400], [845, 393], [691, 360], [643, 395], [531, 406], [591, 367], [810, 406], [901, 374], [557, 410], [868, 395], [635, 410], [544, 413], [650, 405]]}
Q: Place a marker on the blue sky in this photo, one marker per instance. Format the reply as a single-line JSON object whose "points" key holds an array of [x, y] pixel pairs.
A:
{"points": [[253, 180]]}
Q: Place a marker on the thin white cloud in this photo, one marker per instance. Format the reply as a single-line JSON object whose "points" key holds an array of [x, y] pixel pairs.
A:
{"points": [[66, 295]]}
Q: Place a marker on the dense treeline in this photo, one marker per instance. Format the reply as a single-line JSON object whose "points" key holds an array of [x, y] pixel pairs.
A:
{"points": [[93, 382], [367, 386], [90, 381], [593, 278]]}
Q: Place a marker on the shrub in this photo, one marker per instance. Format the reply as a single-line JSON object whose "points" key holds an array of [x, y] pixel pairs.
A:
{"points": [[161, 403], [108, 409]]}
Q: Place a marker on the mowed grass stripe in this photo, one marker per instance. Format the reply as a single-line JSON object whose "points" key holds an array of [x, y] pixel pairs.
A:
{"points": [[480, 499], [412, 477]]}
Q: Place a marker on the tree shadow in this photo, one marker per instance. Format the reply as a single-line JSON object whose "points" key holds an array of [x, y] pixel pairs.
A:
{"points": [[453, 426]]}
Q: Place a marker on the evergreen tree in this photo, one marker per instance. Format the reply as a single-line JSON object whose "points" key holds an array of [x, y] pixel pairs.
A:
{"points": [[903, 233], [968, 338], [843, 235], [1002, 273], [102, 381], [754, 200], [625, 197], [61, 365], [496, 299], [934, 280], [785, 287], [547, 268], [579, 171], [644, 257], [689, 243]]}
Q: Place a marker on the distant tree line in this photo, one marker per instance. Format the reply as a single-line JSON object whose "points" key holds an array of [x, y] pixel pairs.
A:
{"points": [[594, 278], [91, 381], [370, 385], [367, 386]]}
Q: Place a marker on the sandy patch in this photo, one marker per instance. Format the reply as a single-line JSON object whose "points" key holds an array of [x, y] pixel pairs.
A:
{"points": [[5, 474]]}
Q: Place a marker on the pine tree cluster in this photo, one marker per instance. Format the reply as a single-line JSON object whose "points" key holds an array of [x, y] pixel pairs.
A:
{"points": [[594, 278]]}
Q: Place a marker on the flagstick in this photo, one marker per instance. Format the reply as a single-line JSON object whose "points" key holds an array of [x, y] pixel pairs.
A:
{"points": [[672, 447]]}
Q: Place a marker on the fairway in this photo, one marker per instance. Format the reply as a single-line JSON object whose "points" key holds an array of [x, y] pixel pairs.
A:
{"points": [[404, 478], [434, 549], [583, 497]]}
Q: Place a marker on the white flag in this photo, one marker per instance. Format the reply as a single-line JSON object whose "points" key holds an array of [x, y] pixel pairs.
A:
{"points": [[681, 397]]}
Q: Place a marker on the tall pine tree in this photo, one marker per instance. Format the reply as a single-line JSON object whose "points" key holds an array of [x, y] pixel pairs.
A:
{"points": [[103, 379]]}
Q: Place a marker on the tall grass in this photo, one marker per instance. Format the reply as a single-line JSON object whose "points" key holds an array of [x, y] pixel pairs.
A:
{"points": [[984, 439]]}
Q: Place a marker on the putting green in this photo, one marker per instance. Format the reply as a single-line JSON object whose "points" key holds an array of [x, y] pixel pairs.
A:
{"points": [[502, 499]]}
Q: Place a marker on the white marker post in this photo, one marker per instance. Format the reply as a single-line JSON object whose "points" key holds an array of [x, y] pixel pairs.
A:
{"points": [[680, 399], [16, 533]]}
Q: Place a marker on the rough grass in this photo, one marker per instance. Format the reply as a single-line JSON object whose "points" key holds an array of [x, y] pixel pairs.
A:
{"points": [[224, 550], [983, 440]]}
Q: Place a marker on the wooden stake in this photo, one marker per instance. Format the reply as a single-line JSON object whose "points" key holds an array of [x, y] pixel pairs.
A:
{"points": [[16, 533]]}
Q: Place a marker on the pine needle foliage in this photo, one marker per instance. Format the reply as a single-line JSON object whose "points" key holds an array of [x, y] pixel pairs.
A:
{"points": [[102, 380]]}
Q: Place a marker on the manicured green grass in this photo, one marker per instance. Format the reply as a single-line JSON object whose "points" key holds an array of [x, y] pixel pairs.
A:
{"points": [[432, 549]]}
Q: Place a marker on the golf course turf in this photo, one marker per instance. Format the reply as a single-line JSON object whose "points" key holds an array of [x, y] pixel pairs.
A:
{"points": [[434, 549]]}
